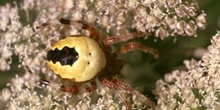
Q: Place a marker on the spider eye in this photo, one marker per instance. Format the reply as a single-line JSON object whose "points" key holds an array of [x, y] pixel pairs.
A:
{"points": [[66, 56]]}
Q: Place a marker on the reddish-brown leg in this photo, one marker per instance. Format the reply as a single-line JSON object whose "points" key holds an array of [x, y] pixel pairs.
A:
{"points": [[93, 33], [127, 87], [136, 45], [131, 45], [115, 39], [92, 87], [115, 88], [72, 89]]}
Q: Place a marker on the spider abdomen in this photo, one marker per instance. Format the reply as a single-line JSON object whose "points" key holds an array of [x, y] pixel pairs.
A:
{"points": [[78, 58]]}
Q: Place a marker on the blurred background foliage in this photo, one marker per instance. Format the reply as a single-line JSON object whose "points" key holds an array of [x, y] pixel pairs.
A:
{"points": [[141, 70]]}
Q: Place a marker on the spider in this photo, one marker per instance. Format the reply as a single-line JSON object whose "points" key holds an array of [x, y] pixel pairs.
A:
{"points": [[80, 58]]}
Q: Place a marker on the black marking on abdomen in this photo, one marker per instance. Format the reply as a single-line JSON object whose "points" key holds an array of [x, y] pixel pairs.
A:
{"points": [[66, 56]]}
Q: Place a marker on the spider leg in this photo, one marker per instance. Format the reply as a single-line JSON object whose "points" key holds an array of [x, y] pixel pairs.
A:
{"points": [[136, 45], [93, 33], [72, 89], [42, 25], [115, 88], [116, 39], [92, 87], [126, 87], [44, 82]]}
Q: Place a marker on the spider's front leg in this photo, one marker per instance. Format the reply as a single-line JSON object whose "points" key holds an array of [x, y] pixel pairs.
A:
{"points": [[127, 87], [136, 45], [116, 39], [115, 88], [131, 45], [116, 84]]}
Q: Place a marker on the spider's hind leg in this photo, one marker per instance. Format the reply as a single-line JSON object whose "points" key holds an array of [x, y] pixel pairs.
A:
{"points": [[72, 89]]}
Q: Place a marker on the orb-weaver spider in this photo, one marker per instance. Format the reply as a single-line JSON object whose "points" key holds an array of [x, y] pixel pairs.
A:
{"points": [[80, 58]]}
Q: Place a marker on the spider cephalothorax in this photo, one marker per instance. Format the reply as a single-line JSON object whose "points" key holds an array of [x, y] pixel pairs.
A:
{"points": [[80, 58]]}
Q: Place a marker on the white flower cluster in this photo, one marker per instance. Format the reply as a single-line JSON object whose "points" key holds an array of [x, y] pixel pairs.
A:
{"points": [[28, 30], [23, 93], [164, 18], [17, 39], [197, 88], [8, 34], [160, 18]]}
